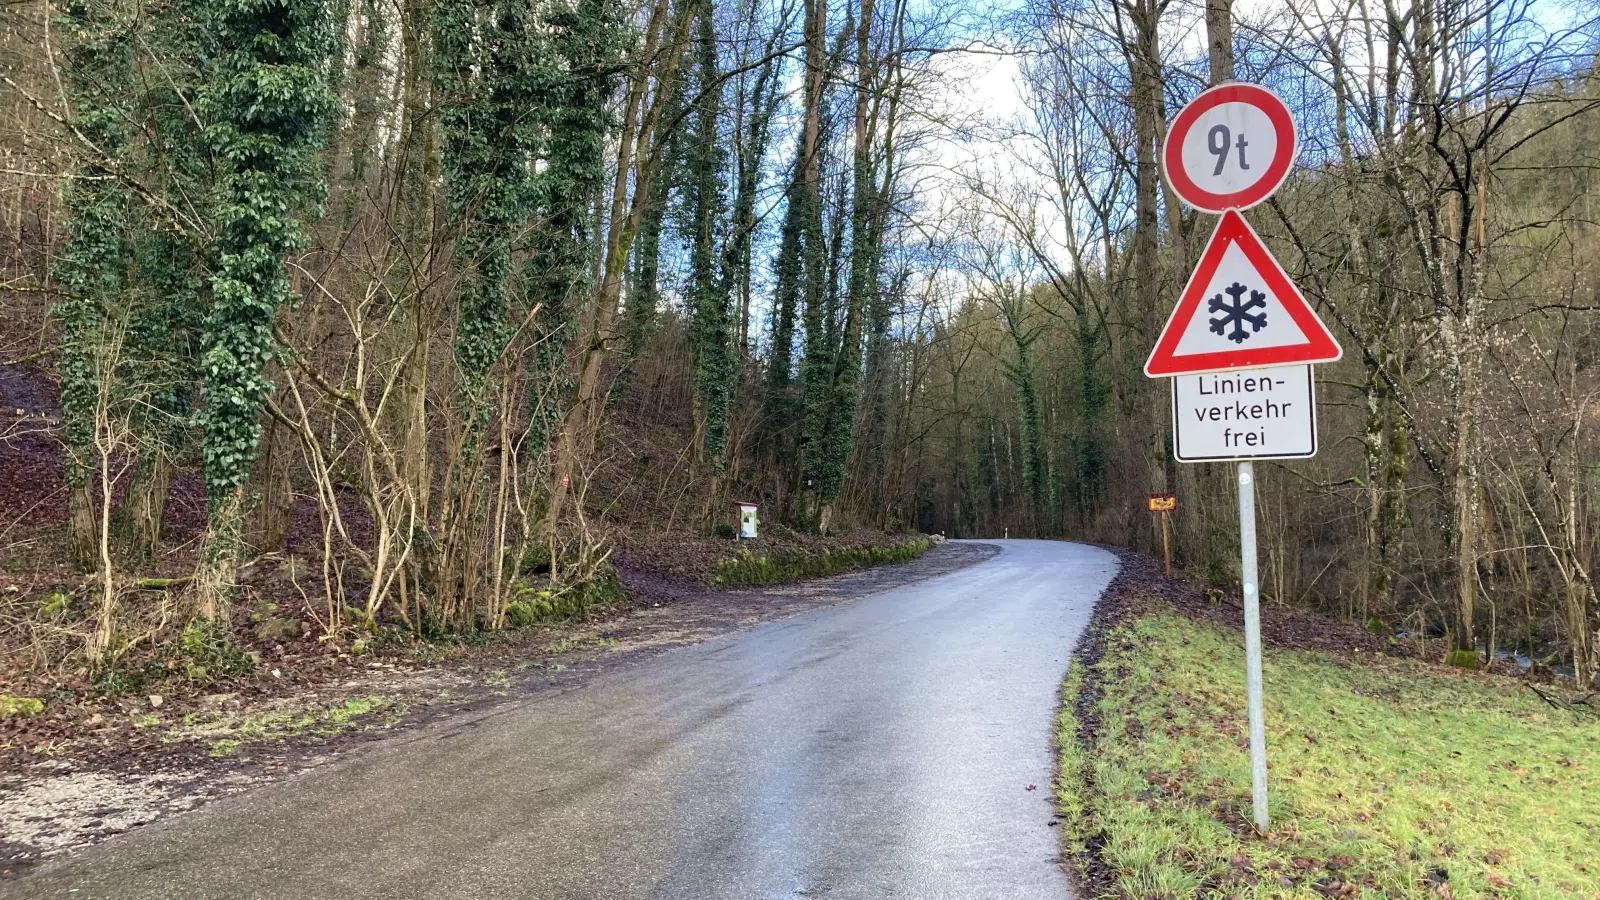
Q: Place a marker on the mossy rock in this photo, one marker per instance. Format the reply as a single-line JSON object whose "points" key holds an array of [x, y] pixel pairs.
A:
{"points": [[19, 706], [1462, 659], [276, 629]]}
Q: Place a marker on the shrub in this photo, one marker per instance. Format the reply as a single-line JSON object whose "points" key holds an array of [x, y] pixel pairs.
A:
{"points": [[533, 606], [209, 651]]}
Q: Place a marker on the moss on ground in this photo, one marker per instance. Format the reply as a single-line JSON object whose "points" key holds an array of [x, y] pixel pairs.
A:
{"points": [[227, 735], [19, 706], [1389, 779], [750, 568]]}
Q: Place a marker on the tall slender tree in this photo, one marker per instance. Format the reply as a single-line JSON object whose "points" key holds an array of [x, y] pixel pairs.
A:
{"points": [[94, 267], [711, 340], [264, 100], [816, 367]]}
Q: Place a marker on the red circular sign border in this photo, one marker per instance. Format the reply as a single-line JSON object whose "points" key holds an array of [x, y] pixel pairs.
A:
{"points": [[1283, 157]]}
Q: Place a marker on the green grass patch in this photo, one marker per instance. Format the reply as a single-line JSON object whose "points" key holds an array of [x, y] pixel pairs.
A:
{"points": [[1070, 760], [751, 568], [228, 734], [1393, 779]]}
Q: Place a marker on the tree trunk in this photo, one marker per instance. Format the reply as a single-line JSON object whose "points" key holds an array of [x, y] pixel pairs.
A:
{"points": [[1466, 493], [220, 548], [145, 506], [269, 482], [81, 528], [1219, 39], [817, 366], [636, 164], [1147, 270]]}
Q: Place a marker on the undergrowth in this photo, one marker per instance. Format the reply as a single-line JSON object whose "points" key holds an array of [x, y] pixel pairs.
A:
{"points": [[751, 568], [1388, 778], [534, 606], [206, 652]]}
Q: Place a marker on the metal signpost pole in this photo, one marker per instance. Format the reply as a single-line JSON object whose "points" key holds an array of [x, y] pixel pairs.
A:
{"points": [[1252, 641], [1256, 339]]}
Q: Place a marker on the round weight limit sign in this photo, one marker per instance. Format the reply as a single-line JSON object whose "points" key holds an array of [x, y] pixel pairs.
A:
{"points": [[1229, 148]]}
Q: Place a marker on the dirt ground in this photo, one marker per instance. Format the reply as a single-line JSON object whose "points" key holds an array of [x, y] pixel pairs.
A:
{"points": [[134, 763]]}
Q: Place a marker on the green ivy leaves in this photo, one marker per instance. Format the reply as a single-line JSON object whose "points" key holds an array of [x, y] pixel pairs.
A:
{"points": [[264, 100]]}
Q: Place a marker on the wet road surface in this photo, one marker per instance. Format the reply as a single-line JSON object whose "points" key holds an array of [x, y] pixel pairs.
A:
{"points": [[878, 749]]}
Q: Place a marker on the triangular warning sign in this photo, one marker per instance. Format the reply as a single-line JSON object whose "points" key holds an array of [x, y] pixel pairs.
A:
{"points": [[1239, 311]]}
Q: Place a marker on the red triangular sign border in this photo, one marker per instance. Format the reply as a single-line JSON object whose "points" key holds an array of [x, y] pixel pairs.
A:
{"points": [[1233, 229]]}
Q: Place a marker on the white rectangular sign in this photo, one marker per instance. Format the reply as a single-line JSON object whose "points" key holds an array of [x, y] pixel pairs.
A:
{"points": [[1253, 414]]}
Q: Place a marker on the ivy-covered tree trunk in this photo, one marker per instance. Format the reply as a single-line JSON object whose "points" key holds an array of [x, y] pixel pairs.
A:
{"points": [[638, 147], [94, 267], [1089, 445], [779, 404], [752, 124], [780, 401], [816, 369], [264, 101], [588, 38], [523, 90], [832, 417], [884, 299], [374, 35], [710, 338], [487, 70], [1030, 436]]}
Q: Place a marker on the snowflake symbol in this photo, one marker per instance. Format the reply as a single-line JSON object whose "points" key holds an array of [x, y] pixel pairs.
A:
{"points": [[1237, 312]]}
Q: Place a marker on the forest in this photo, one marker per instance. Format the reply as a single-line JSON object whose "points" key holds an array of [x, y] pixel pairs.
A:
{"points": [[422, 309]]}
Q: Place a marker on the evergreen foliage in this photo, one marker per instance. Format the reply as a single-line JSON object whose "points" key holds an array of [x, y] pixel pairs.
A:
{"points": [[523, 150], [785, 302], [491, 63], [264, 101], [704, 162]]}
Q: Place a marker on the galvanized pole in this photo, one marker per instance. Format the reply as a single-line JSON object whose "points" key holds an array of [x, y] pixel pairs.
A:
{"points": [[1252, 641]]}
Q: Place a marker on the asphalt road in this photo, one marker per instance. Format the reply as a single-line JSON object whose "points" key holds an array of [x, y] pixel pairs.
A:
{"points": [[882, 748]]}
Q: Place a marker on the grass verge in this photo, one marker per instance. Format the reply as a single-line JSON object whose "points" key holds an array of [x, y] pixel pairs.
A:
{"points": [[1389, 778], [749, 568]]}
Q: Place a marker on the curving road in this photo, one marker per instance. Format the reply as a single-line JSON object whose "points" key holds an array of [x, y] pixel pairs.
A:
{"points": [[882, 748]]}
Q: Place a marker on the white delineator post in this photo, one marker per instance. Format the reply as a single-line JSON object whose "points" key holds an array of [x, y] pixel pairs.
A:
{"points": [[1252, 641]]}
